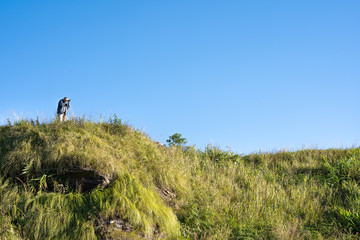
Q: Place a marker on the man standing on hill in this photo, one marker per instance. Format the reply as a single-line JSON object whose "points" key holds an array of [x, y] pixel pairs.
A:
{"points": [[63, 106]]}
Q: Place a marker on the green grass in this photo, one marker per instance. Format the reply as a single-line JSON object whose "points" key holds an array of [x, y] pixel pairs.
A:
{"points": [[170, 193]]}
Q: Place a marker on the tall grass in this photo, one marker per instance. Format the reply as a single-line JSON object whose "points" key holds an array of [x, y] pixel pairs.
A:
{"points": [[169, 193]]}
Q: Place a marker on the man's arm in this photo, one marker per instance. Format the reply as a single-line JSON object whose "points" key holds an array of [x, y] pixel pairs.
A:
{"points": [[59, 107]]}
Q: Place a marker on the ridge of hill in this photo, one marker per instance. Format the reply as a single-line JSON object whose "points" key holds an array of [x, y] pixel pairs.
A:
{"points": [[87, 180]]}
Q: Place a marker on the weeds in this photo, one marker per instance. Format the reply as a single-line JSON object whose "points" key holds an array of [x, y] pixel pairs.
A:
{"points": [[210, 194]]}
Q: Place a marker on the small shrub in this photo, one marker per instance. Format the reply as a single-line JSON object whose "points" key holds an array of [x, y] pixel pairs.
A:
{"points": [[217, 155], [176, 140]]}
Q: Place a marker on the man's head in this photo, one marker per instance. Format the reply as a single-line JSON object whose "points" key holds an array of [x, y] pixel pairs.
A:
{"points": [[66, 99]]}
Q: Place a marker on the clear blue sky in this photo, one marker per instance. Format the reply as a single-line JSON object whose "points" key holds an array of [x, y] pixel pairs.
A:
{"points": [[249, 75]]}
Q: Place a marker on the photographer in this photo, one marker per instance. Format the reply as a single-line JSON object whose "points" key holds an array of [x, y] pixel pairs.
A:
{"points": [[63, 106]]}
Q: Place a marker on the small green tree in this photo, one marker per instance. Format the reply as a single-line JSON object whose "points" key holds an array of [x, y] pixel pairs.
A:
{"points": [[177, 140]]}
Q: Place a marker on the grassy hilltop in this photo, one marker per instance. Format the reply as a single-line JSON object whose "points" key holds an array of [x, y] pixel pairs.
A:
{"points": [[86, 180]]}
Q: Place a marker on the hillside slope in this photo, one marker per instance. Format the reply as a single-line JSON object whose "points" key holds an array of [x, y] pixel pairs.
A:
{"points": [[86, 180]]}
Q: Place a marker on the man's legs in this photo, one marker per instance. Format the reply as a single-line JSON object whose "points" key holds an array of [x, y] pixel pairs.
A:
{"points": [[61, 117]]}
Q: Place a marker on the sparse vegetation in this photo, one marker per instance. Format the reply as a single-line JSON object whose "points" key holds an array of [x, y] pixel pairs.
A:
{"points": [[169, 193]]}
